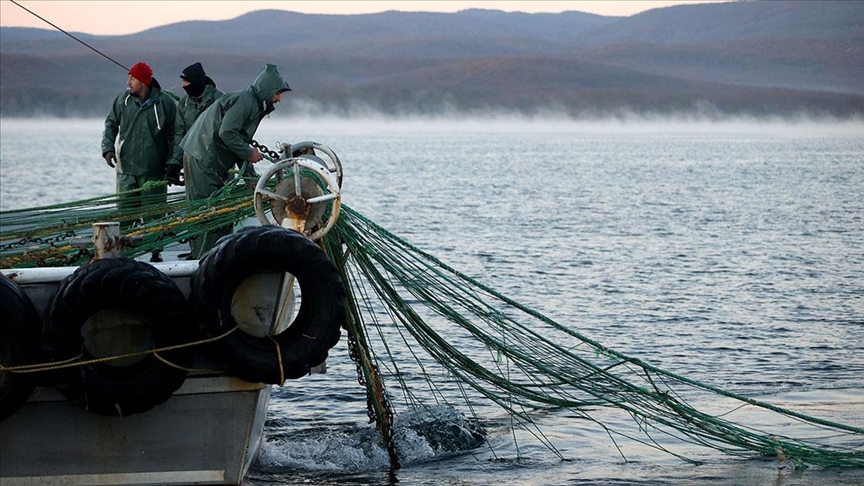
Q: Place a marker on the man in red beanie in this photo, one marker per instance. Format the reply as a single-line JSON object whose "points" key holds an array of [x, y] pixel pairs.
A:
{"points": [[138, 140]]}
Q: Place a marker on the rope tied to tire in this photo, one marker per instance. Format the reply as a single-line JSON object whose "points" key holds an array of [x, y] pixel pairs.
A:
{"points": [[96, 311], [74, 361], [306, 339]]}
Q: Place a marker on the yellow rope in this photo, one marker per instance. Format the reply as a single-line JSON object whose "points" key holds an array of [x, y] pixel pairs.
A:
{"points": [[36, 367], [279, 357], [69, 363], [34, 255], [190, 370], [213, 212]]}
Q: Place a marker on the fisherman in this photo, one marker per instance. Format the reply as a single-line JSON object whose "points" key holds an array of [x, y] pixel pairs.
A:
{"points": [[221, 138], [201, 92], [144, 117]]}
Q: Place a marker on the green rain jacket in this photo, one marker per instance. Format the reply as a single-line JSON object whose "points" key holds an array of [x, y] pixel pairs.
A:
{"points": [[221, 136], [146, 131], [188, 110]]}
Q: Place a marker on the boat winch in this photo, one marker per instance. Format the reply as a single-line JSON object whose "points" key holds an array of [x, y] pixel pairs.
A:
{"points": [[302, 189]]}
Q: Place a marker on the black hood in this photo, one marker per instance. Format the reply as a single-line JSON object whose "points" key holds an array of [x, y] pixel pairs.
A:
{"points": [[197, 79]]}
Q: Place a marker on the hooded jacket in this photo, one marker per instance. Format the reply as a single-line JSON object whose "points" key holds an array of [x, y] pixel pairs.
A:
{"points": [[146, 132], [221, 136], [188, 110]]}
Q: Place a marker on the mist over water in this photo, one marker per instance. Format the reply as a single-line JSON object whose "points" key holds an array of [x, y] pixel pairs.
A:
{"points": [[552, 122], [34, 152], [701, 118], [726, 251]]}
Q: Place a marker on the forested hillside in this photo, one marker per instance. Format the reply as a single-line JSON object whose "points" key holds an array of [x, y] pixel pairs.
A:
{"points": [[755, 58]]}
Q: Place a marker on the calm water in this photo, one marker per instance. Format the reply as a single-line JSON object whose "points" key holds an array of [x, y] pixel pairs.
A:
{"points": [[732, 254]]}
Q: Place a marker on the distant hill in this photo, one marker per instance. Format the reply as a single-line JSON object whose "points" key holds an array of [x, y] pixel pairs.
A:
{"points": [[748, 20], [756, 58]]}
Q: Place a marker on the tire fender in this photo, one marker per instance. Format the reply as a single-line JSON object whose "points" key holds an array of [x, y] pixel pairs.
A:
{"points": [[20, 327], [312, 333], [101, 294]]}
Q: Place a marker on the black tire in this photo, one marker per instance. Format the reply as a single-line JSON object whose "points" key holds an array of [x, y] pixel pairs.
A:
{"points": [[137, 289], [314, 331], [20, 328]]}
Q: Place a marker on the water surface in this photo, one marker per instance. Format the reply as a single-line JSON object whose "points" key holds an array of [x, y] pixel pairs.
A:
{"points": [[731, 254]]}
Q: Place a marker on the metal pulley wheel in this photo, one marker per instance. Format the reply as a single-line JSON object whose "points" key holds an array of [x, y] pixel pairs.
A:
{"points": [[317, 152], [304, 195]]}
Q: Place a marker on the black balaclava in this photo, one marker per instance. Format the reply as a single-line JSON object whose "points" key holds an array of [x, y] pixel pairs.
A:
{"points": [[197, 79]]}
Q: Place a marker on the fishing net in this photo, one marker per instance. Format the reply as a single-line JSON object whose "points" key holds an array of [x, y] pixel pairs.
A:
{"points": [[423, 334], [46, 236], [522, 362]]}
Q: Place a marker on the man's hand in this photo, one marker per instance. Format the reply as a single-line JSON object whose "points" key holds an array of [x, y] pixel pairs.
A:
{"points": [[255, 156], [173, 175], [110, 159]]}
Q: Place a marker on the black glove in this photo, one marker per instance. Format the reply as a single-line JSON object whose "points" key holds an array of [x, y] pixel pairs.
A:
{"points": [[173, 175], [110, 159], [250, 171]]}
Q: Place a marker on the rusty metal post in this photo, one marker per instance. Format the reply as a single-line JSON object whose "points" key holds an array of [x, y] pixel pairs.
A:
{"points": [[106, 240]]}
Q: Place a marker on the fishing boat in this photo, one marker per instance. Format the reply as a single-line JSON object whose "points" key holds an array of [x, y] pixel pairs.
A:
{"points": [[117, 371], [122, 372], [268, 303]]}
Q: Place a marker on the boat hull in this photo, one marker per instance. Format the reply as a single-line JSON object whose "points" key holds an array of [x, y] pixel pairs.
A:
{"points": [[207, 433]]}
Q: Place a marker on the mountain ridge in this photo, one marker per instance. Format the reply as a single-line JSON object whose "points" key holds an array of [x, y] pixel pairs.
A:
{"points": [[757, 58]]}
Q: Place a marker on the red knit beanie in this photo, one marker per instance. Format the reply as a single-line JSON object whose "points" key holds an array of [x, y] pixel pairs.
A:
{"points": [[142, 72]]}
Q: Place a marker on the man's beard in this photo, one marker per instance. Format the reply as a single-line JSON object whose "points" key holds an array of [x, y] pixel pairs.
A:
{"points": [[138, 91], [268, 108]]}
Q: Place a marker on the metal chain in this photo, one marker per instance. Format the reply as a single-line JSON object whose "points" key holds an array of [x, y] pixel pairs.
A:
{"points": [[361, 377], [374, 384], [353, 353], [391, 438], [272, 154]]}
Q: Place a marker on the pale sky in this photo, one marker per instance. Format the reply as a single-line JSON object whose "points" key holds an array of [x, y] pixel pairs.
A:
{"points": [[128, 16]]}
